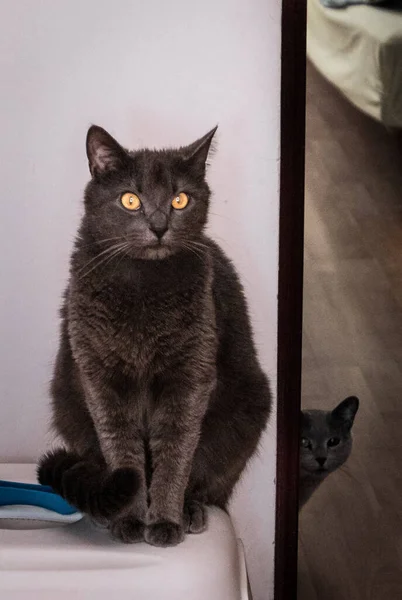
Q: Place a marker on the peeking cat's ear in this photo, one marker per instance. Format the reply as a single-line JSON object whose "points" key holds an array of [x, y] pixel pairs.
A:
{"points": [[104, 153], [304, 418], [346, 410], [196, 154]]}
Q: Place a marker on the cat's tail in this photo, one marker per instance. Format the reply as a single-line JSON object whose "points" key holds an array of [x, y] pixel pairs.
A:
{"points": [[88, 486]]}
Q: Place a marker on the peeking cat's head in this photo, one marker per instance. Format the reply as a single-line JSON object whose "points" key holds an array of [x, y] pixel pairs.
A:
{"points": [[326, 439], [148, 203]]}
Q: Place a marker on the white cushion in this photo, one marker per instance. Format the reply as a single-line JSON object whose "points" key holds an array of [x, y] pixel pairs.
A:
{"points": [[80, 561]]}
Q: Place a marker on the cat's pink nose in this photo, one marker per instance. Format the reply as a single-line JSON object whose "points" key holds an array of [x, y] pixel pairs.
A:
{"points": [[321, 460]]}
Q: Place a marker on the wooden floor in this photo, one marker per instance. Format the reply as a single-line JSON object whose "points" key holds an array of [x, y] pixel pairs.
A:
{"points": [[351, 531]]}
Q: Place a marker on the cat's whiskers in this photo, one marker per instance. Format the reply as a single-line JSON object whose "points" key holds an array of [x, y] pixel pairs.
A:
{"points": [[105, 261], [118, 262], [106, 251], [98, 264], [186, 247], [127, 238], [112, 239], [219, 238], [195, 251], [116, 255], [110, 253], [198, 244]]}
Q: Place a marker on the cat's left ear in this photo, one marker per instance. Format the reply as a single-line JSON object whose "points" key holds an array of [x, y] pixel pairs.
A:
{"points": [[196, 154], [346, 410]]}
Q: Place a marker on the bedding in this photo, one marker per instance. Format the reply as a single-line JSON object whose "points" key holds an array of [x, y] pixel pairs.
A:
{"points": [[343, 3], [359, 50]]}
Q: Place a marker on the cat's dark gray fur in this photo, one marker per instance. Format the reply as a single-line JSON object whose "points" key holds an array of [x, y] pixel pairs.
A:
{"points": [[157, 391], [326, 443]]}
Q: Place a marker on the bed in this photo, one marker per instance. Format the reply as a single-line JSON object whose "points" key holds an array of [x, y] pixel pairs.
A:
{"points": [[81, 561], [359, 50]]}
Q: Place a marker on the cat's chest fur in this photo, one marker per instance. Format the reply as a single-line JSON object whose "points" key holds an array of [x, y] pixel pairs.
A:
{"points": [[146, 323]]}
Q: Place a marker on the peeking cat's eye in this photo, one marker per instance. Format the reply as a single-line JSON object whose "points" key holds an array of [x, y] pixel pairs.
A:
{"points": [[305, 443], [333, 442], [180, 201], [130, 201]]}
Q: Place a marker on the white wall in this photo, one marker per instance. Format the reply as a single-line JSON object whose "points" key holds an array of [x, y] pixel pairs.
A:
{"points": [[153, 73]]}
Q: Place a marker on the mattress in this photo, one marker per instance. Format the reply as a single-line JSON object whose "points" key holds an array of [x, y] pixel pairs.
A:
{"points": [[80, 561], [359, 50]]}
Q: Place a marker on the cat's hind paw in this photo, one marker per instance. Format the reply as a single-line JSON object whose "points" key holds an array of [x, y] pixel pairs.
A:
{"points": [[53, 465], [100, 494], [194, 517]]}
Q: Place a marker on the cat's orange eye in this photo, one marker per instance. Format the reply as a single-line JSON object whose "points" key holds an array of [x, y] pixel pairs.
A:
{"points": [[305, 442], [130, 201], [180, 201]]}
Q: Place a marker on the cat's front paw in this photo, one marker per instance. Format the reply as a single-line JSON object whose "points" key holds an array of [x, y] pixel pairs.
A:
{"points": [[194, 517], [128, 529], [164, 533]]}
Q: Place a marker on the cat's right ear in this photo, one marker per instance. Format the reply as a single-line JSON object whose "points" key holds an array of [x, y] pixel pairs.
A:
{"points": [[104, 153], [346, 410]]}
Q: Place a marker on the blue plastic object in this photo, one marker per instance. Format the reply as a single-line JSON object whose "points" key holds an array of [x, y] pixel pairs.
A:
{"points": [[33, 494]]}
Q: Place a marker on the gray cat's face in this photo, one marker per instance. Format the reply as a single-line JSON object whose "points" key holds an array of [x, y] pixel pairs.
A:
{"points": [[326, 439], [145, 204]]}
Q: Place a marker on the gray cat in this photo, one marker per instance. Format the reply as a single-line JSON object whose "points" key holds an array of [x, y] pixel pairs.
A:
{"points": [[157, 390], [326, 443]]}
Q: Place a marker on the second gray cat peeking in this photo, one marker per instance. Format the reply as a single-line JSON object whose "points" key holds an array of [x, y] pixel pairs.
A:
{"points": [[326, 443]]}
